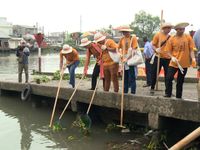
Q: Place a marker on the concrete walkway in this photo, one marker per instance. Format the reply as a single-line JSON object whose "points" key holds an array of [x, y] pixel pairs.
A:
{"points": [[189, 89]]}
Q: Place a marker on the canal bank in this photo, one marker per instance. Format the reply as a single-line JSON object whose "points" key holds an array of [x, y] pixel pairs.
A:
{"points": [[144, 109]]}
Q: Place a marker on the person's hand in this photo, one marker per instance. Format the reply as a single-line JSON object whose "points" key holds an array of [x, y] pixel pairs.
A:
{"points": [[124, 60], [174, 59], [194, 63], [26, 50], [158, 50], [103, 47], [85, 71]]}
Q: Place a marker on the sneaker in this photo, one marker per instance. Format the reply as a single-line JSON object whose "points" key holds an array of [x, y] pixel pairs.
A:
{"points": [[167, 96], [151, 91], [146, 85]]}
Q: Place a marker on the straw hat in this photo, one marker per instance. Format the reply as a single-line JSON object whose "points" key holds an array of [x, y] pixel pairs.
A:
{"points": [[85, 42], [66, 49], [167, 24], [125, 29], [99, 37], [22, 42], [181, 25]]}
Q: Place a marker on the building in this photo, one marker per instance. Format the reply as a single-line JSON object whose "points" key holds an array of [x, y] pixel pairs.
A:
{"points": [[20, 30], [5, 27], [55, 38], [5, 32]]}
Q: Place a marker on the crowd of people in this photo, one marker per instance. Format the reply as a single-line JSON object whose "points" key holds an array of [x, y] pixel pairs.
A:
{"points": [[174, 53]]}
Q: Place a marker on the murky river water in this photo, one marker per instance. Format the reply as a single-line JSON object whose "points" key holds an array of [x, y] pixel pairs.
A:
{"points": [[25, 127]]}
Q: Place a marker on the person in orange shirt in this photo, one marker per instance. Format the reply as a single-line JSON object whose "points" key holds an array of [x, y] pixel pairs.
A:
{"points": [[95, 50], [72, 61], [110, 68], [180, 48], [159, 42], [129, 71]]}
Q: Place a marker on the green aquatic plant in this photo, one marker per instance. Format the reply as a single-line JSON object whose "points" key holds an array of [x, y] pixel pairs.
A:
{"points": [[41, 79], [83, 127], [111, 127], [56, 76], [57, 127], [71, 138]]}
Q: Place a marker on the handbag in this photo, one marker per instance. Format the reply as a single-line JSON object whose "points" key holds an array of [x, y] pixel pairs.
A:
{"points": [[136, 58], [115, 56]]}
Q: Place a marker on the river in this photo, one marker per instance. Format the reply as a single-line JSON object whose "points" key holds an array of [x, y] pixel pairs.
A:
{"points": [[25, 127]]}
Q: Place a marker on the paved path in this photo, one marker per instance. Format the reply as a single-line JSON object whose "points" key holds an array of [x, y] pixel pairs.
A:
{"points": [[189, 89]]}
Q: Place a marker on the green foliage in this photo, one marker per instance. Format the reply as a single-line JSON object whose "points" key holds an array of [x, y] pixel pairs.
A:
{"points": [[41, 79], [111, 127], [83, 127], [57, 75], [57, 127], [145, 24]]}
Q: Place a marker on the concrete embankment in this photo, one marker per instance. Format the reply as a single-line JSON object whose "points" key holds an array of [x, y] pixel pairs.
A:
{"points": [[151, 108]]}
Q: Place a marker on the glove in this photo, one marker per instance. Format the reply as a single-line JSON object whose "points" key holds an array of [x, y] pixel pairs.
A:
{"points": [[103, 47], [193, 64], [158, 50], [174, 59]]}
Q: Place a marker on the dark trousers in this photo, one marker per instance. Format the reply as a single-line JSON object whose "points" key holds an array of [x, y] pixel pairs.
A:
{"points": [[130, 80], [163, 63], [148, 68], [95, 75], [180, 80]]}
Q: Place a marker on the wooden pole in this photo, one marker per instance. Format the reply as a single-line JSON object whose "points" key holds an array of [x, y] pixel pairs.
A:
{"points": [[57, 94], [158, 62], [39, 59], [71, 97], [186, 140]]}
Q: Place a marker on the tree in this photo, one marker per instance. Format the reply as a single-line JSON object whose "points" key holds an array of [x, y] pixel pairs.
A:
{"points": [[145, 24]]}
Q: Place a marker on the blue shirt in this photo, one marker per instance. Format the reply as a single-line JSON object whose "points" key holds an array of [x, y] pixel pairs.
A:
{"points": [[148, 50], [196, 38]]}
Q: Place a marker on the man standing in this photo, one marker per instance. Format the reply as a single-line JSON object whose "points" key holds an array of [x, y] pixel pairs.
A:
{"points": [[159, 43], [148, 52], [92, 49], [125, 43], [181, 49], [22, 54], [196, 38]]}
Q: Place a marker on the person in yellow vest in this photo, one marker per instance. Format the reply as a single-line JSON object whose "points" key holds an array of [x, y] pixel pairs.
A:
{"points": [[95, 50], [159, 42], [129, 71], [72, 61], [110, 68], [181, 50]]}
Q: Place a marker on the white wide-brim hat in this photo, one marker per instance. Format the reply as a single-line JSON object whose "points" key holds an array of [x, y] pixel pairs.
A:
{"points": [[99, 37], [181, 25], [166, 25], [125, 29], [85, 42], [66, 49]]}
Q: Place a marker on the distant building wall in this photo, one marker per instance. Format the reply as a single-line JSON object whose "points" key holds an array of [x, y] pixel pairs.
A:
{"points": [[5, 27]]}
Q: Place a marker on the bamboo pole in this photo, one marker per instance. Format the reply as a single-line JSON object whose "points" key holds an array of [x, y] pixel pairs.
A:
{"points": [[158, 62], [186, 140]]}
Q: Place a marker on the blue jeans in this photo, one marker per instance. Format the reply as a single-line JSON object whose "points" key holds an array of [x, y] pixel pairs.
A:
{"points": [[129, 79], [71, 70]]}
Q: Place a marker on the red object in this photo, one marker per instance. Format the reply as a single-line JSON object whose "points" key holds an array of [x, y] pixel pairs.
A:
{"points": [[39, 38]]}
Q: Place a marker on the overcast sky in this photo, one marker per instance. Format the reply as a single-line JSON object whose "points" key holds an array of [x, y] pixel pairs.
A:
{"points": [[64, 15]]}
